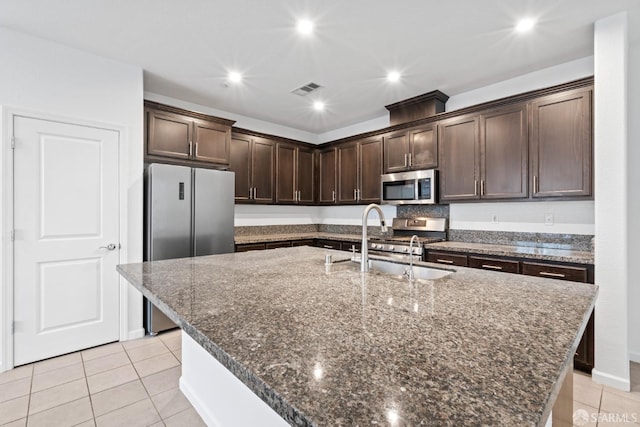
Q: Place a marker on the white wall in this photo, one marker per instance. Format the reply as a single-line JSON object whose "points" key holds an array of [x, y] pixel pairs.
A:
{"points": [[633, 178], [610, 153], [362, 127], [241, 121], [43, 77], [569, 217]]}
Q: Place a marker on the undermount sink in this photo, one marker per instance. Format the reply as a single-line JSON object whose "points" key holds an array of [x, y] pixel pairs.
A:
{"points": [[397, 269]]}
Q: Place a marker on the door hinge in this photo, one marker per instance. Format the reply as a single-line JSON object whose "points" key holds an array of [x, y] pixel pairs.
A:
{"points": [[13, 327], [13, 142], [13, 235]]}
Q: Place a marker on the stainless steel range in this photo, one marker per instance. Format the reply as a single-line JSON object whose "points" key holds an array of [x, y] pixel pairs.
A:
{"points": [[428, 230]]}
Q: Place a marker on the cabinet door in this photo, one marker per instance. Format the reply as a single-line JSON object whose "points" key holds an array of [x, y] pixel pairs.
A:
{"points": [[370, 169], [459, 159], [561, 146], [424, 148], [211, 142], [503, 153], [262, 170], [285, 174], [305, 171], [168, 135], [396, 152], [347, 174], [328, 163], [240, 162]]}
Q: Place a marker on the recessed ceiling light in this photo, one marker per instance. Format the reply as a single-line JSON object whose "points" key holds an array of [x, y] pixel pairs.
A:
{"points": [[318, 105], [234, 77], [525, 25], [305, 27], [393, 76]]}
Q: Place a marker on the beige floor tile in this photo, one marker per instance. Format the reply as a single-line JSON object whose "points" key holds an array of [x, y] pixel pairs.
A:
{"points": [[156, 364], [18, 423], [16, 373], [633, 395], [118, 397], [90, 423], [56, 377], [185, 418], [101, 351], [158, 424], [617, 403], [15, 389], [163, 380], [584, 415], [128, 345], [56, 363], [173, 342], [587, 393], [69, 414], [58, 395], [108, 379], [170, 402], [106, 363], [14, 409], [178, 355], [139, 414], [606, 419], [146, 351]]}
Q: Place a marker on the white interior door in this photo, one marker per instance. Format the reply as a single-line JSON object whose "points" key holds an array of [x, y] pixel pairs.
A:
{"points": [[66, 289]]}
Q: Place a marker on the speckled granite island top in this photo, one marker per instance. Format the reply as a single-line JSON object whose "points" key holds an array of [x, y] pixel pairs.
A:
{"points": [[345, 348], [562, 255]]}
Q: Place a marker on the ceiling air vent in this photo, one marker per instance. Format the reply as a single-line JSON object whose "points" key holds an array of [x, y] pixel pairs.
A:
{"points": [[306, 89]]}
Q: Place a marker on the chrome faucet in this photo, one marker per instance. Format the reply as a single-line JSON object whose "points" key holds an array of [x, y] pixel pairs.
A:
{"points": [[409, 272], [364, 258]]}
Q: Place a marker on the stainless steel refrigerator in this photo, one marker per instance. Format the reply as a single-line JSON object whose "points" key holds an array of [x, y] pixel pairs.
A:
{"points": [[188, 212]]}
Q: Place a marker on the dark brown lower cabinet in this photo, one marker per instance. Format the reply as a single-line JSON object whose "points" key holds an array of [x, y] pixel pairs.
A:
{"points": [[584, 358], [246, 247], [274, 245], [306, 242]]}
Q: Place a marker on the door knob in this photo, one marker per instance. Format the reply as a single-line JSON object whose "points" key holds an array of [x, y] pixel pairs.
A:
{"points": [[110, 247]]}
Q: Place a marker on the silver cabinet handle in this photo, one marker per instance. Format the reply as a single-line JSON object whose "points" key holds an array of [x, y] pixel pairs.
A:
{"points": [[491, 267], [405, 160], [475, 187], [359, 195], [299, 195], [295, 196], [109, 247], [190, 148], [410, 160], [333, 195], [252, 193], [535, 184], [544, 273], [444, 261], [355, 194], [255, 193], [482, 187], [196, 144]]}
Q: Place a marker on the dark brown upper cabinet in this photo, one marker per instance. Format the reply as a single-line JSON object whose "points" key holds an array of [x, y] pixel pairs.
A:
{"points": [[503, 153], [328, 173], [459, 158], [411, 150], [561, 147], [359, 170], [252, 160], [294, 174], [190, 138], [485, 156]]}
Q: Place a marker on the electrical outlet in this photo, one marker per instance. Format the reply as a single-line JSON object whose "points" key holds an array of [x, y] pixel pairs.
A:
{"points": [[548, 218], [494, 218]]}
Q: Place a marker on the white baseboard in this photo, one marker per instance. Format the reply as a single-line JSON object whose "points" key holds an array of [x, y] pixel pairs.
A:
{"points": [[611, 380], [136, 333], [634, 357]]}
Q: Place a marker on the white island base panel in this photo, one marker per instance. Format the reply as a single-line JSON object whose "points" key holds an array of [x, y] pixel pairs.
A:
{"points": [[221, 399]]}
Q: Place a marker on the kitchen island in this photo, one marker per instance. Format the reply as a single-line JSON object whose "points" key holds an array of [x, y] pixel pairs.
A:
{"points": [[331, 346]]}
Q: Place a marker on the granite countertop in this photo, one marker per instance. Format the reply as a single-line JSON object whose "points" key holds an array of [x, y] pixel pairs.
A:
{"points": [[537, 253], [345, 348], [261, 238]]}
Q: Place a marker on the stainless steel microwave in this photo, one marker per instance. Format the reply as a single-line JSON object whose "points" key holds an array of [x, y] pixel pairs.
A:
{"points": [[409, 188]]}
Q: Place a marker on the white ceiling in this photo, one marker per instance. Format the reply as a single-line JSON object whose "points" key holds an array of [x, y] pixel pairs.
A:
{"points": [[186, 47]]}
